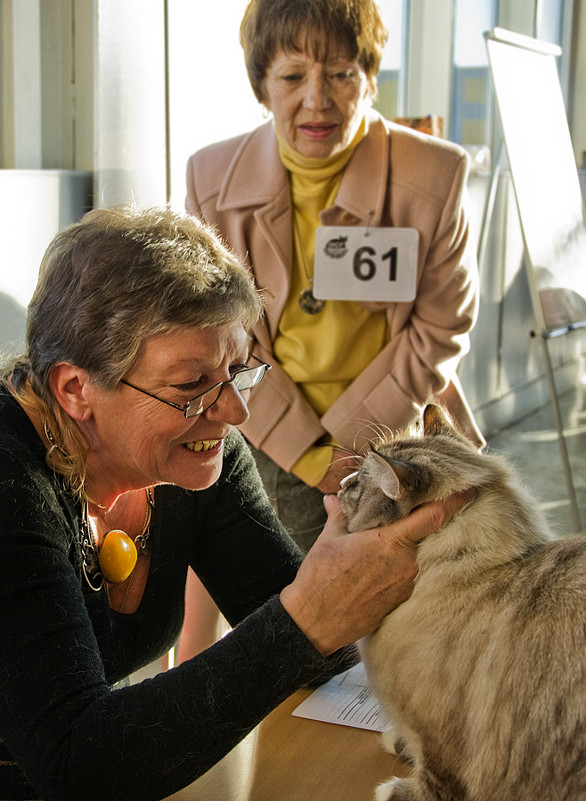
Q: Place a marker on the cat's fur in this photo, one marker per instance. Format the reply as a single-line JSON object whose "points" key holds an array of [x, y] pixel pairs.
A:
{"points": [[483, 669]]}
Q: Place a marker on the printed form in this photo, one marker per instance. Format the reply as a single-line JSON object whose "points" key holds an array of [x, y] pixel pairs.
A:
{"points": [[346, 700]]}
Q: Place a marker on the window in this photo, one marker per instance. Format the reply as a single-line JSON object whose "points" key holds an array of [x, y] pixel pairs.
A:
{"points": [[470, 106], [391, 78], [210, 98]]}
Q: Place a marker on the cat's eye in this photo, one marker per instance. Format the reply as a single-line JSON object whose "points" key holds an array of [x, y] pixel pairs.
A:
{"points": [[348, 478]]}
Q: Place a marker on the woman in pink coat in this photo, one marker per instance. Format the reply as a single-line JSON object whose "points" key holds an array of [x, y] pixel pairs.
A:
{"points": [[385, 203]]}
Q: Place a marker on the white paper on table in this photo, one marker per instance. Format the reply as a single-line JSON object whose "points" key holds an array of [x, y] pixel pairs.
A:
{"points": [[346, 700]]}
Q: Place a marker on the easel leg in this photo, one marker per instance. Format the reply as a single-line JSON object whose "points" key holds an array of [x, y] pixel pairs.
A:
{"points": [[562, 439]]}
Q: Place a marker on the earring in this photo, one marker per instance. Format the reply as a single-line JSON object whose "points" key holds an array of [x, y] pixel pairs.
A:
{"points": [[52, 441]]}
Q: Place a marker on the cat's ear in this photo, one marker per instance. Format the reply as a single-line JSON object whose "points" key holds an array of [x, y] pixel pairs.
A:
{"points": [[388, 476], [435, 421]]}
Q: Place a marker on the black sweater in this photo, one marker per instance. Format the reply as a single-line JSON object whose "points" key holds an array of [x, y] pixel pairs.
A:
{"points": [[62, 647]]}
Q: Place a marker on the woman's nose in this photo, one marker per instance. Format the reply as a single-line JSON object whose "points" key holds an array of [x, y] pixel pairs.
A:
{"points": [[317, 94], [230, 406]]}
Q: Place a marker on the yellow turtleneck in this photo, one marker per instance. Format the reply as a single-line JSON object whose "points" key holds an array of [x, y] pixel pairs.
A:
{"points": [[325, 352]]}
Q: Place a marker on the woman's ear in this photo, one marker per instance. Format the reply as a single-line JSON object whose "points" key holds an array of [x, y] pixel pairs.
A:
{"points": [[264, 99], [69, 384]]}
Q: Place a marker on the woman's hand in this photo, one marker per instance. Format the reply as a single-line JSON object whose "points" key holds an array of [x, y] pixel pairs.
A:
{"points": [[348, 583]]}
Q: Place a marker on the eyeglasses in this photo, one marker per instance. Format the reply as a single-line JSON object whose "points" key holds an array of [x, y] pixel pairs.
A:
{"points": [[246, 378]]}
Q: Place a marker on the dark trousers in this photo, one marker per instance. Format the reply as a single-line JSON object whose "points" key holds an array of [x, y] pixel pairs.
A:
{"points": [[299, 507]]}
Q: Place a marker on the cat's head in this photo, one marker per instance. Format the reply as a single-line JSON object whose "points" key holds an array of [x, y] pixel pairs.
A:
{"points": [[406, 470]]}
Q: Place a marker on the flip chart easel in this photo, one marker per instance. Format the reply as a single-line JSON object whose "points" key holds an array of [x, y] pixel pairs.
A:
{"points": [[547, 190]]}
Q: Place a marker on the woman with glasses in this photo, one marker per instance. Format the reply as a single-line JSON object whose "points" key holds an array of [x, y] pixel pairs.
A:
{"points": [[120, 467]]}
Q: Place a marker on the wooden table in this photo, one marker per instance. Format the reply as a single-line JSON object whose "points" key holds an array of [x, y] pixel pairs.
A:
{"points": [[293, 759]]}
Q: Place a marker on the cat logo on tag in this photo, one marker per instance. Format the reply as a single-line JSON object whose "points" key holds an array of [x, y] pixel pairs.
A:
{"points": [[336, 248]]}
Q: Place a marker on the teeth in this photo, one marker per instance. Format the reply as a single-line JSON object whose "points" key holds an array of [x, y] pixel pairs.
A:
{"points": [[202, 445]]}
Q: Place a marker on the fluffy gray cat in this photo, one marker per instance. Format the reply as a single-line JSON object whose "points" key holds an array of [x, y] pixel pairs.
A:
{"points": [[483, 669]]}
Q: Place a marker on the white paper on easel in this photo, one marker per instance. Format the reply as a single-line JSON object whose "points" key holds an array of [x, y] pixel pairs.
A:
{"points": [[347, 700]]}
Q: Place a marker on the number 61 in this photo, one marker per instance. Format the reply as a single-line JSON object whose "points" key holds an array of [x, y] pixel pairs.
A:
{"points": [[364, 266]]}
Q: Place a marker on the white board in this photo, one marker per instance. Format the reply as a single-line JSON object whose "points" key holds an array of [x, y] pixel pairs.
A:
{"points": [[545, 176]]}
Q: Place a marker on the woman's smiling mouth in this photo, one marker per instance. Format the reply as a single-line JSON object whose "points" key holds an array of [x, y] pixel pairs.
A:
{"points": [[202, 445]]}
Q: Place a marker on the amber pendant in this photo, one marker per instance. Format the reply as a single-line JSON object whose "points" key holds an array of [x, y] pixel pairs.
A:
{"points": [[117, 555], [309, 304]]}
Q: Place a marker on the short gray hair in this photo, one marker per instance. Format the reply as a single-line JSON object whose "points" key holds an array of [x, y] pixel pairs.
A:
{"points": [[121, 275]]}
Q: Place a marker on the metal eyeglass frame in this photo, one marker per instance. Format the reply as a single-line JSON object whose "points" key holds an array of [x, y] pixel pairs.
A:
{"points": [[244, 379]]}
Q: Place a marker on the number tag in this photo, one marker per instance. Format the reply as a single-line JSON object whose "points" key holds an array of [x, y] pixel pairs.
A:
{"points": [[371, 264]]}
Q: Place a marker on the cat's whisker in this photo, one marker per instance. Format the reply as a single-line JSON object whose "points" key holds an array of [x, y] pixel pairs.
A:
{"points": [[379, 432], [348, 453]]}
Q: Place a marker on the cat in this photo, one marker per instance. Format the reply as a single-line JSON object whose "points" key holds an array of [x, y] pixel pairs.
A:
{"points": [[483, 669]]}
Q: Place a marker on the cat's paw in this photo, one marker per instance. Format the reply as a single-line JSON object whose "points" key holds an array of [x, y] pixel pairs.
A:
{"points": [[384, 792], [396, 790], [393, 743], [389, 791], [389, 739]]}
